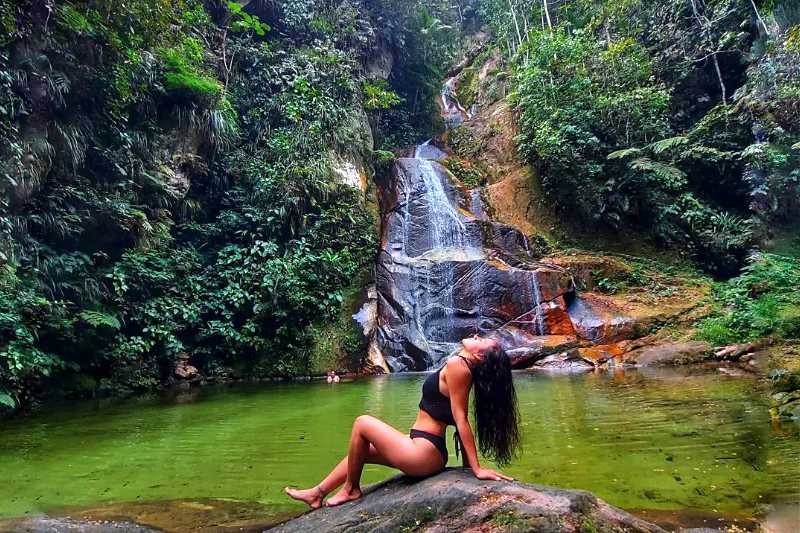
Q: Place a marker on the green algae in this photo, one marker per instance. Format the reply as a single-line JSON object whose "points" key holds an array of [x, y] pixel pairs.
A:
{"points": [[661, 440]]}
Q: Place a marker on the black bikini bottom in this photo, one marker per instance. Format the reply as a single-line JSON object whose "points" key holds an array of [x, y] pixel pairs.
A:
{"points": [[437, 440]]}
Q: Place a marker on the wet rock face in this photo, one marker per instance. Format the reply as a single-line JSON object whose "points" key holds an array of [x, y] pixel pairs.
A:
{"points": [[455, 501], [443, 274]]}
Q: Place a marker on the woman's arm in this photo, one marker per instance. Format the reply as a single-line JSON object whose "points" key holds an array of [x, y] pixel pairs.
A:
{"points": [[458, 384]]}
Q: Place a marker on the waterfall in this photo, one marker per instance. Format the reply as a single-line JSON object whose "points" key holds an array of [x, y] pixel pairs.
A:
{"points": [[428, 151], [537, 298], [445, 225], [445, 274], [454, 113], [433, 272]]}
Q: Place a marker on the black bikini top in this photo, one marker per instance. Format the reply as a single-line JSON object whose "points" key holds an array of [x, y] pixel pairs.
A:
{"points": [[433, 401]]}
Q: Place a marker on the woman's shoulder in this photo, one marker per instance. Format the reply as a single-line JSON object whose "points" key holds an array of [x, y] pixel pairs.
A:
{"points": [[458, 361]]}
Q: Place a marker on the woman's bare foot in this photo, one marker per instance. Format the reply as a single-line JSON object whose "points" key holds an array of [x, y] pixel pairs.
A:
{"points": [[343, 496], [313, 496]]}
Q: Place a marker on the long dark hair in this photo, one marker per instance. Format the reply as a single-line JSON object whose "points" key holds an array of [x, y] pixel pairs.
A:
{"points": [[495, 406]]}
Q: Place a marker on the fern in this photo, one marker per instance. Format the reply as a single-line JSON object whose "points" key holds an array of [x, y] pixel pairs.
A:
{"points": [[98, 319], [796, 146], [667, 144], [672, 177], [706, 153], [622, 154]]}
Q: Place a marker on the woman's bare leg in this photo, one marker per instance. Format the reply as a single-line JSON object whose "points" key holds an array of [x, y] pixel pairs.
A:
{"points": [[393, 449], [314, 496], [399, 450]]}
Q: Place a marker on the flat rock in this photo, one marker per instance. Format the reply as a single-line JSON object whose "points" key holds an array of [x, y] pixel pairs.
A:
{"points": [[455, 501], [669, 353], [570, 361]]}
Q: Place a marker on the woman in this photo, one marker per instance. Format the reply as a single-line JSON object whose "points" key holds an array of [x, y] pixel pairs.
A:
{"points": [[445, 396]]}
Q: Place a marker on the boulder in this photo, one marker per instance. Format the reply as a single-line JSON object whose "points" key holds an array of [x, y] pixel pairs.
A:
{"points": [[785, 405], [569, 361], [455, 501], [669, 353], [183, 369], [527, 348], [599, 320]]}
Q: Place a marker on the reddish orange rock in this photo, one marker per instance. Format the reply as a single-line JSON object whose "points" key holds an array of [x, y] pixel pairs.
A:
{"points": [[550, 318], [556, 317], [601, 353]]}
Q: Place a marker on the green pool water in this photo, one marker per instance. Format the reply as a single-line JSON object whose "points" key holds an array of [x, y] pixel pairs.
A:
{"points": [[666, 440]]}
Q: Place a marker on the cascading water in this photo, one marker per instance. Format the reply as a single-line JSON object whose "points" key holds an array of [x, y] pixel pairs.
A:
{"points": [[448, 231], [538, 319], [449, 241], [452, 110], [428, 151], [447, 271]]}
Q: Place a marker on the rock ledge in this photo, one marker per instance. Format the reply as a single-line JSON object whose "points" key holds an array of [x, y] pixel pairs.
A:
{"points": [[455, 501]]}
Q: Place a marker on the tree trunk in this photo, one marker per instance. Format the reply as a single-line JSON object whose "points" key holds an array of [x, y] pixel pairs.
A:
{"points": [[516, 24], [758, 15], [547, 14]]}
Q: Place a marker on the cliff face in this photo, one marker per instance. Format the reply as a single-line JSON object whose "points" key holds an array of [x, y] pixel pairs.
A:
{"points": [[445, 272], [467, 246]]}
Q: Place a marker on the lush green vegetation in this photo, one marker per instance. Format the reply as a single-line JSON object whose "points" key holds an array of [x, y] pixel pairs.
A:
{"points": [[675, 118], [763, 301], [168, 183]]}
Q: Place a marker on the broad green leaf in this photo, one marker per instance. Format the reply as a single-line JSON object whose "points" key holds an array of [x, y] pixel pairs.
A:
{"points": [[666, 144], [7, 400], [621, 154], [97, 318]]}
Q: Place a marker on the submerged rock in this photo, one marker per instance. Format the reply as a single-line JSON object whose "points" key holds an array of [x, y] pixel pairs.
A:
{"points": [[455, 501], [785, 405], [220, 515], [670, 353], [67, 525]]}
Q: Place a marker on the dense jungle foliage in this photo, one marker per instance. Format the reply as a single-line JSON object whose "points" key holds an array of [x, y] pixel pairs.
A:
{"points": [[177, 176], [679, 118], [169, 187]]}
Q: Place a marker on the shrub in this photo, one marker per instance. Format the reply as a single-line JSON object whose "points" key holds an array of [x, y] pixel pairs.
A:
{"points": [[764, 300]]}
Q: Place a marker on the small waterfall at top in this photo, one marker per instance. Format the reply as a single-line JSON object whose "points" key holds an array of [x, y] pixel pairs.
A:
{"points": [[452, 110], [538, 318], [428, 151]]}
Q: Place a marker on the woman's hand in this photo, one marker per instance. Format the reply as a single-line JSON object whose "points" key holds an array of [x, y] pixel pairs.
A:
{"points": [[488, 473]]}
